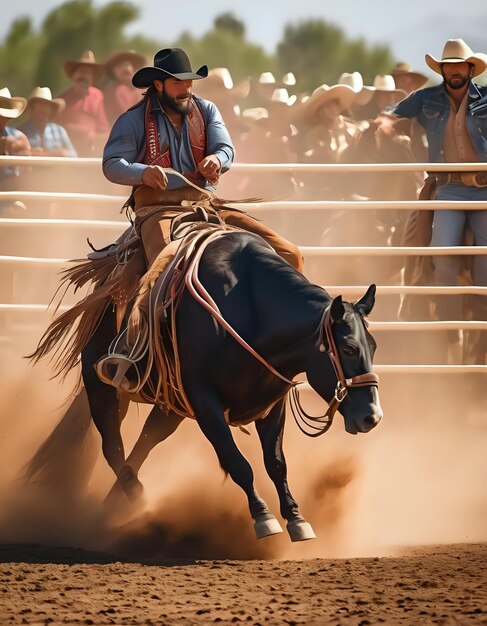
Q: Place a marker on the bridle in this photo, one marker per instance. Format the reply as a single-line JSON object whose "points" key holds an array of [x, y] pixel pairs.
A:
{"points": [[369, 379]]}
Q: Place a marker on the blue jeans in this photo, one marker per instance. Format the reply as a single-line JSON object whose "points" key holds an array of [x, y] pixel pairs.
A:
{"points": [[448, 227]]}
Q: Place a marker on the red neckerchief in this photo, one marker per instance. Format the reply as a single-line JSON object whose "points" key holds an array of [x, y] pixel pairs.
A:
{"points": [[155, 154]]}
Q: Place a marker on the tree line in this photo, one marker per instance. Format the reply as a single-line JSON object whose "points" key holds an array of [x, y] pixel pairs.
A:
{"points": [[314, 50]]}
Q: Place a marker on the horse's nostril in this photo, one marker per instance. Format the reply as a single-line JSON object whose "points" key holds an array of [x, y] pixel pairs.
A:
{"points": [[370, 421]]}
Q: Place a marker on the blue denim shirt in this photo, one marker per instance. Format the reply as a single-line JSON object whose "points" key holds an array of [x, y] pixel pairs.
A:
{"points": [[54, 137], [431, 108], [9, 170], [125, 149]]}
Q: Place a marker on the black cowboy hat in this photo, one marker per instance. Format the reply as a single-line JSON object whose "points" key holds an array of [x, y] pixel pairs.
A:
{"points": [[172, 62]]}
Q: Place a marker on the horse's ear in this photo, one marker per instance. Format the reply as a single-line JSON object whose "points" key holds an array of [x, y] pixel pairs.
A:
{"points": [[337, 310], [365, 305]]}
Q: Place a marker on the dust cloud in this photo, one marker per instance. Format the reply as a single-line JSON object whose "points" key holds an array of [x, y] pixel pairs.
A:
{"points": [[418, 478]]}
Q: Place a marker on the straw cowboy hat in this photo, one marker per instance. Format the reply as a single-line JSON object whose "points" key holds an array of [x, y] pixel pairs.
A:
{"points": [[43, 94], [324, 93], [417, 79], [219, 82], [457, 51], [281, 97], [137, 60], [11, 107], [356, 82], [385, 83], [168, 63], [255, 115], [268, 79], [87, 59]]}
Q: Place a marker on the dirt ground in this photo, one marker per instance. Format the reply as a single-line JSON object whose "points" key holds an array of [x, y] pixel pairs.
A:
{"points": [[432, 585]]}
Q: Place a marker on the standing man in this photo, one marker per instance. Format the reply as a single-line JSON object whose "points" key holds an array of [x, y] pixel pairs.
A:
{"points": [[454, 117], [84, 115], [173, 128]]}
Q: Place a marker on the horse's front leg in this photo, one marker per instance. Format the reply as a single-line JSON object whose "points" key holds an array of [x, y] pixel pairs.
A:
{"points": [[211, 420], [271, 431]]}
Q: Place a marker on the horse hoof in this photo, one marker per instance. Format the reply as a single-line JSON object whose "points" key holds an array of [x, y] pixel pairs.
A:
{"points": [[266, 527], [299, 530], [130, 484]]}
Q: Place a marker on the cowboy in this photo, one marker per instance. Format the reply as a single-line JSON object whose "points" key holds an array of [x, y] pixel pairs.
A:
{"points": [[119, 93], [172, 128], [453, 116], [46, 138], [406, 79], [12, 142], [219, 88], [330, 133], [84, 114]]}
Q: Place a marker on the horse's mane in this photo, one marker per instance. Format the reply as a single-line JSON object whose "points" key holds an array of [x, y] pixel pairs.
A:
{"points": [[266, 261]]}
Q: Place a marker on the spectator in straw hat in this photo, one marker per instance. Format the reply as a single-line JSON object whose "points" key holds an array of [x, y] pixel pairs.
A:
{"points": [[119, 93], [329, 132], [218, 87], [385, 94], [12, 142], [406, 79], [453, 115], [84, 114], [46, 137], [266, 84]]}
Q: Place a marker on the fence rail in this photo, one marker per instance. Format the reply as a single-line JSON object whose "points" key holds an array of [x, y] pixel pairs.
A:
{"points": [[277, 167]]}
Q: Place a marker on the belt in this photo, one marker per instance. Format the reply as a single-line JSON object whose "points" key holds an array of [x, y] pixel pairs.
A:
{"points": [[469, 179]]}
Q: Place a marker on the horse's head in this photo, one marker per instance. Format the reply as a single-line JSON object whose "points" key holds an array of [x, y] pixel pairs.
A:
{"points": [[343, 358]]}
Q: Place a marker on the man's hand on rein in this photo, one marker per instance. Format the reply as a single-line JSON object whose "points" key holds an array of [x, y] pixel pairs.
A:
{"points": [[210, 168], [155, 177]]}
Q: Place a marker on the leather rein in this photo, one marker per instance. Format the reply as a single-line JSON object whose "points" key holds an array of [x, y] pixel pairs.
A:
{"points": [[302, 419], [368, 379]]}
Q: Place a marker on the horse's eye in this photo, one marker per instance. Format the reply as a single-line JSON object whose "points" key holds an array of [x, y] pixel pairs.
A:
{"points": [[350, 351]]}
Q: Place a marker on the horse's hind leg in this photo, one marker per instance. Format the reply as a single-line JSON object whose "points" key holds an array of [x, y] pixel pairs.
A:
{"points": [[106, 409], [271, 431], [158, 426], [211, 420]]}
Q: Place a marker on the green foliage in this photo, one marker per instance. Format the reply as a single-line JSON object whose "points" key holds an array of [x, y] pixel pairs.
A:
{"points": [[318, 52], [314, 50], [228, 22]]}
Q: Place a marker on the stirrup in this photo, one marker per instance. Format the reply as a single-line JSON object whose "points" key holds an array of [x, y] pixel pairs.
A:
{"points": [[118, 380]]}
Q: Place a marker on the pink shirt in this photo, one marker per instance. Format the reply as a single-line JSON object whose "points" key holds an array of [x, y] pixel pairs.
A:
{"points": [[119, 98]]}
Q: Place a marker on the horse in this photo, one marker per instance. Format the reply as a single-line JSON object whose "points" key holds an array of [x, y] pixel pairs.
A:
{"points": [[286, 326]]}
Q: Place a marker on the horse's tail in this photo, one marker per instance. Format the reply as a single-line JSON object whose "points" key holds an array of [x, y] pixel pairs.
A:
{"points": [[67, 457], [68, 334]]}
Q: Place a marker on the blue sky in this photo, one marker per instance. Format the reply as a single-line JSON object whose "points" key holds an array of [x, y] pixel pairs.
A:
{"points": [[411, 28]]}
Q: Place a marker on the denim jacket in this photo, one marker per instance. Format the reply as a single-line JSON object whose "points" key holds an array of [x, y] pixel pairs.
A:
{"points": [[431, 108]]}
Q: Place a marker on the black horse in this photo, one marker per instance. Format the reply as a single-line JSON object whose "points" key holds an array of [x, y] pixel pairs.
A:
{"points": [[280, 314]]}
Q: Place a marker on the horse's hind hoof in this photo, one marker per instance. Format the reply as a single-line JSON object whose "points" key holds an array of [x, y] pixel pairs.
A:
{"points": [[299, 530], [267, 527]]}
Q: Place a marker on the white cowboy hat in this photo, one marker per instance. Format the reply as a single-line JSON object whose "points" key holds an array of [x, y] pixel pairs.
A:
{"points": [[219, 80], [457, 51], [385, 83], [289, 79], [281, 96], [356, 82], [418, 80], [256, 116], [87, 59], [44, 94], [11, 107], [322, 94], [266, 78]]}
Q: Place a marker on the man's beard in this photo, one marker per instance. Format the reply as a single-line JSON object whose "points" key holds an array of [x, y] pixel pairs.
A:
{"points": [[457, 82], [174, 103]]}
